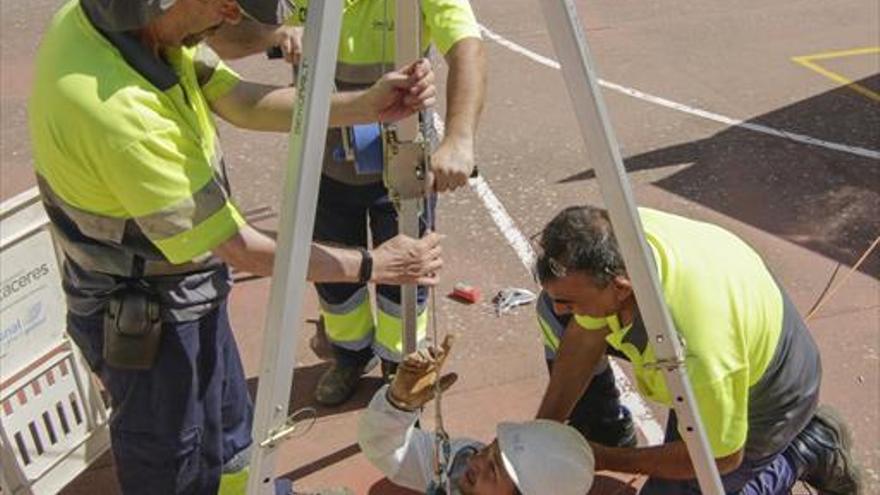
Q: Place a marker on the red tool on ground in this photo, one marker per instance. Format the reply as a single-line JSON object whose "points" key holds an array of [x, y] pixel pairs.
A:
{"points": [[465, 293]]}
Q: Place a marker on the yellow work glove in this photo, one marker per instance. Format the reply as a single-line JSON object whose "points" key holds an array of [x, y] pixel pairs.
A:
{"points": [[413, 384]]}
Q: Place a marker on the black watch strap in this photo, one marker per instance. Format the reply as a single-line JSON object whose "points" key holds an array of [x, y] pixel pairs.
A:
{"points": [[366, 271]]}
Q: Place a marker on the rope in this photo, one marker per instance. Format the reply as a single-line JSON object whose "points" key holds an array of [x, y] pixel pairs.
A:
{"points": [[441, 483], [827, 296]]}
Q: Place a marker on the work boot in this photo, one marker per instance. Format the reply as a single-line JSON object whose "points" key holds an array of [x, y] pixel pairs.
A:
{"points": [[611, 430], [389, 368], [340, 382], [822, 455]]}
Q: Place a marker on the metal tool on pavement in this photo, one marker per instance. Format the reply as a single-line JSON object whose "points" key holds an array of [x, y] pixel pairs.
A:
{"points": [[511, 297]]}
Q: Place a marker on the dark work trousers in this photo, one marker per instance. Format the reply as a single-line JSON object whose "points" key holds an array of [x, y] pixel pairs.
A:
{"points": [[773, 475], [344, 214], [173, 427]]}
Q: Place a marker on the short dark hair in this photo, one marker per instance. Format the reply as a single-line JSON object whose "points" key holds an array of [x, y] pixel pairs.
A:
{"points": [[579, 238]]}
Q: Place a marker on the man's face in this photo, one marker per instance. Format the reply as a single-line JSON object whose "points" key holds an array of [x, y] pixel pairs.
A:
{"points": [[189, 22], [485, 474], [579, 293]]}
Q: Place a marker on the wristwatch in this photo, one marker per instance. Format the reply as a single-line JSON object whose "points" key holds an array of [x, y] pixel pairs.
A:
{"points": [[366, 271]]}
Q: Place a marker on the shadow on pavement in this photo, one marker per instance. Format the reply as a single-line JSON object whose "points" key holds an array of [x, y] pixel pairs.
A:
{"points": [[326, 461], [821, 199], [305, 378]]}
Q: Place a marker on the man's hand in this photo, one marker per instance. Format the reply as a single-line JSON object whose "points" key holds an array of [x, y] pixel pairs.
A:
{"points": [[400, 93], [289, 39], [452, 163], [404, 260], [414, 383]]}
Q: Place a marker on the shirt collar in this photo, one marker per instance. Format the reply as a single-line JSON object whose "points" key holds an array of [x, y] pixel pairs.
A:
{"points": [[138, 56]]}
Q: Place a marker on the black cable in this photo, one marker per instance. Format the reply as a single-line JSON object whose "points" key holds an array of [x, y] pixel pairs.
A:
{"points": [[826, 289]]}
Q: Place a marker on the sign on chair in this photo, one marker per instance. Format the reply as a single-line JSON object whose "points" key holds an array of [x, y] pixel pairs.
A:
{"points": [[53, 423]]}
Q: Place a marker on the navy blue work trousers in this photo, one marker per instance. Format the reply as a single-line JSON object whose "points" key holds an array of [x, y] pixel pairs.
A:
{"points": [[344, 214], [174, 426], [773, 475]]}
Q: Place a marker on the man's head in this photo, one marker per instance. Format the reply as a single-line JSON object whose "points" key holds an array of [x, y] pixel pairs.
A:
{"points": [[531, 458], [580, 266], [181, 22]]}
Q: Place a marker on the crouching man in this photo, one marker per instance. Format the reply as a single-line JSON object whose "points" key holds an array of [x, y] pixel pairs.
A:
{"points": [[530, 458]]}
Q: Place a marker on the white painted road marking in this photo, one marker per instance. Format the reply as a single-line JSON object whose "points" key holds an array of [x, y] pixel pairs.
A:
{"points": [[663, 102]]}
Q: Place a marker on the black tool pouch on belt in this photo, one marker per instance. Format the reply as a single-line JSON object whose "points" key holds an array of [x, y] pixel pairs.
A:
{"points": [[132, 329]]}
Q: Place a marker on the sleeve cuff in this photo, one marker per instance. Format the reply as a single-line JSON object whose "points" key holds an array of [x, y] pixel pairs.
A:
{"points": [[219, 227], [590, 323], [222, 81], [389, 408], [445, 45]]}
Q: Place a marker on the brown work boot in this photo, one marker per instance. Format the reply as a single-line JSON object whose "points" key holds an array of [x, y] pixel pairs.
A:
{"points": [[822, 453], [338, 383]]}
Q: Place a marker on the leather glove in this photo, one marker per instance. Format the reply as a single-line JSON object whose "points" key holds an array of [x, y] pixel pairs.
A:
{"points": [[413, 384]]}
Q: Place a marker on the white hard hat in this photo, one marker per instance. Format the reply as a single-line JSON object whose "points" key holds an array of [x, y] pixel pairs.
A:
{"points": [[543, 456]]}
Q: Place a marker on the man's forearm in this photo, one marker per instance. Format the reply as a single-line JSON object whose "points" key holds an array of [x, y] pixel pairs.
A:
{"points": [[253, 251], [579, 353], [465, 88], [262, 107], [669, 461], [347, 108], [333, 264], [249, 251]]}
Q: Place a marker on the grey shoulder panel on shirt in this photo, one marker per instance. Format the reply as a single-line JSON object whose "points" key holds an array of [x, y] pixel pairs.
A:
{"points": [[782, 402]]}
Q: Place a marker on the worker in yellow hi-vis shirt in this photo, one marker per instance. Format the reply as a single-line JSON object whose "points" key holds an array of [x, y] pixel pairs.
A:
{"points": [[751, 362], [129, 168], [353, 199]]}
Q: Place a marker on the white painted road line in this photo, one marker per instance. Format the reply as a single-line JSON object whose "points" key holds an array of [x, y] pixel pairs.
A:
{"points": [[663, 102], [505, 223]]}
